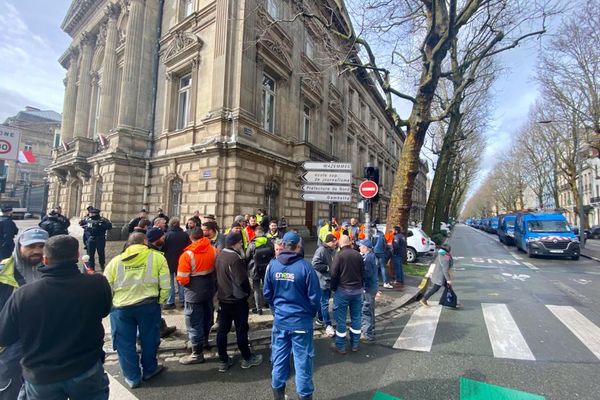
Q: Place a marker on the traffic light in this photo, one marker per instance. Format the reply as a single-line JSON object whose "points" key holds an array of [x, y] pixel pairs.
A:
{"points": [[372, 174]]}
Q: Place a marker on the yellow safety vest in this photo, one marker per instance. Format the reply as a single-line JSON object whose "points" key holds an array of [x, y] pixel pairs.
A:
{"points": [[324, 231], [259, 218], [139, 273], [7, 272], [244, 237]]}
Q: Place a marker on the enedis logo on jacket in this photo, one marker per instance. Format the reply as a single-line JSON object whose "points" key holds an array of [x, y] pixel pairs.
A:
{"points": [[284, 276], [130, 267]]}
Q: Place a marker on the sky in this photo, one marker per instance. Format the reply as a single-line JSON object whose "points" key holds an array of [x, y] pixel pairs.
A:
{"points": [[31, 42]]}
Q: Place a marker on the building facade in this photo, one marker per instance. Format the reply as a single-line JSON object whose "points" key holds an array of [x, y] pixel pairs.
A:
{"points": [[212, 106], [420, 192], [26, 182]]}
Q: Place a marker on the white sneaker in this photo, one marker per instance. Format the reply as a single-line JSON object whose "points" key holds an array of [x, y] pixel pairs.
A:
{"points": [[329, 331], [388, 286]]}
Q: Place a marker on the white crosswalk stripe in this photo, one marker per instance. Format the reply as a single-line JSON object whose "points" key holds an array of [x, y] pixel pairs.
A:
{"points": [[505, 336], [583, 328], [419, 332]]}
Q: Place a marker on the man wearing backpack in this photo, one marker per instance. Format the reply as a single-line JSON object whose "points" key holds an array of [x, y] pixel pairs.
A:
{"points": [[259, 253]]}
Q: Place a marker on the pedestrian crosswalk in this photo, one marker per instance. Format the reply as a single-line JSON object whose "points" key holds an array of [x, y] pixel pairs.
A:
{"points": [[506, 338]]}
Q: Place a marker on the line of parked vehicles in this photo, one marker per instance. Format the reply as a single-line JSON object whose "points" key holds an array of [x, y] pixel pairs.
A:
{"points": [[536, 232]]}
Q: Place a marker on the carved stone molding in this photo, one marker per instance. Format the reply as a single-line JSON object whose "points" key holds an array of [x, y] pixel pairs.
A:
{"points": [[311, 86], [101, 40], [87, 39], [95, 78], [276, 56], [112, 10], [195, 62], [182, 43]]}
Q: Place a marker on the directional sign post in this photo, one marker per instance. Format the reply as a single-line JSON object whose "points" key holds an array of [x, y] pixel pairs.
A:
{"points": [[327, 182]]}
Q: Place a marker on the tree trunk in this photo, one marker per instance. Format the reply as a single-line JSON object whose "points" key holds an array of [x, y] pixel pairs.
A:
{"points": [[437, 186]]}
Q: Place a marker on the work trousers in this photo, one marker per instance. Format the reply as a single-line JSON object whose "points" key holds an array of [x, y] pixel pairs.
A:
{"points": [[283, 345], [171, 298], [398, 270], [368, 315], [342, 303], [323, 312], [198, 320], [96, 244], [91, 385], [381, 266], [237, 313], [10, 372], [125, 323]]}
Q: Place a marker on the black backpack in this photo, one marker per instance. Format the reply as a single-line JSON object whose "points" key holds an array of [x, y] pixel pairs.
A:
{"points": [[263, 256]]}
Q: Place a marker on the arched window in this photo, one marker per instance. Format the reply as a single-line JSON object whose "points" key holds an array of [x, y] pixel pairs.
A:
{"points": [[75, 199], [176, 193], [272, 199]]}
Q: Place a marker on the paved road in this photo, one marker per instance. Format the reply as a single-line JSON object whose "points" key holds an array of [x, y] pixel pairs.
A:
{"points": [[528, 324]]}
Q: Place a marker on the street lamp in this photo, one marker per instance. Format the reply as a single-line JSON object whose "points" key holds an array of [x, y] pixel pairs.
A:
{"points": [[579, 173]]}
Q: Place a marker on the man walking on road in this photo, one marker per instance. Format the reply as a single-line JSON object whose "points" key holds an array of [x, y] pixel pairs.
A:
{"points": [[16, 271], [292, 290], [322, 262], [59, 322], [233, 290], [398, 255], [347, 282], [259, 254], [139, 278], [196, 272], [176, 240], [8, 231], [370, 290]]}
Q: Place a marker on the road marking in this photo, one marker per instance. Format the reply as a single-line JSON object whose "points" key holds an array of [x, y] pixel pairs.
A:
{"points": [[530, 266], [581, 281], [583, 328], [505, 336], [419, 332], [118, 391], [520, 277]]}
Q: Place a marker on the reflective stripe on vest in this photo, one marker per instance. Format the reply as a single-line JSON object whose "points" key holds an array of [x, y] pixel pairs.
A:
{"points": [[121, 282], [193, 263], [7, 273]]}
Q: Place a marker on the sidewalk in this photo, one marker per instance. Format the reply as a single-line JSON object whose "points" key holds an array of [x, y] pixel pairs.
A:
{"points": [[591, 250]]}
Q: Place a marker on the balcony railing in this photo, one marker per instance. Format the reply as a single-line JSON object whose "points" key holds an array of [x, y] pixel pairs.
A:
{"points": [[595, 200]]}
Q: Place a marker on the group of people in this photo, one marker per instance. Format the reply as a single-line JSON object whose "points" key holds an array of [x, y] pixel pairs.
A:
{"points": [[209, 269]]}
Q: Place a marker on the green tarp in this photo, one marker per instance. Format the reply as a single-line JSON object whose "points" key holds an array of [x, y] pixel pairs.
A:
{"points": [[474, 390], [383, 396]]}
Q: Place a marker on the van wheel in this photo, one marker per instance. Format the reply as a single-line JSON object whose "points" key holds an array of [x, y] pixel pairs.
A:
{"points": [[529, 254], [411, 255]]}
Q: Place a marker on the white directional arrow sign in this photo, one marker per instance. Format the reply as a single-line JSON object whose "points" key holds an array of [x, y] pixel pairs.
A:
{"points": [[340, 198], [340, 178], [326, 189], [325, 166]]}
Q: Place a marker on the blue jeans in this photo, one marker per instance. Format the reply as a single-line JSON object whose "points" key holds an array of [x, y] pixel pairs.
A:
{"points": [[341, 303], [171, 298], [368, 314], [125, 323], [10, 371], [198, 320], [91, 385], [398, 271], [381, 262], [300, 343], [323, 312]]}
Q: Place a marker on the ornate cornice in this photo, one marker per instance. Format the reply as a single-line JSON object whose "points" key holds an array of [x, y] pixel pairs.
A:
{"points": [[87, 39], [76, 14], [182, 41], [274, 54], [112, 11]]}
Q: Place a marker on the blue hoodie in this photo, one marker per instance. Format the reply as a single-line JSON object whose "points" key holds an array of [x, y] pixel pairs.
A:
{"points": [[292, 289]]}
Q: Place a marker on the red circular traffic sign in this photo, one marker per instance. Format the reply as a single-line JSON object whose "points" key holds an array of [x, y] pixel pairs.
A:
{"points": [[368, 189], [5, 147]]}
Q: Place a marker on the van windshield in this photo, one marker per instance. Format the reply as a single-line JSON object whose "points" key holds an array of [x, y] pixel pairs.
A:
{"points": [[510, 223], [548, 226]]}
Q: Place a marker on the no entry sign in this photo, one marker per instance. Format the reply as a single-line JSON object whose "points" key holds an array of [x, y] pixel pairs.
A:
{"points": [[9, 142], [368, 189]]}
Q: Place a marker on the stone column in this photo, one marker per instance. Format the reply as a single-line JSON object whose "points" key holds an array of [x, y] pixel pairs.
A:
{"points": [[84, 92], [70, 103], [131, 66], [109, 71]]}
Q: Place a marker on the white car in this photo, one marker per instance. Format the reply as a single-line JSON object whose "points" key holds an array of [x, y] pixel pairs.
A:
{"points": [[417, 243]]}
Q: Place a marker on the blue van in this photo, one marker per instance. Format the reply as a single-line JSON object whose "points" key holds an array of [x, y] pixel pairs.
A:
{"points": [[506, 229], [492, 226], [545, 234]]}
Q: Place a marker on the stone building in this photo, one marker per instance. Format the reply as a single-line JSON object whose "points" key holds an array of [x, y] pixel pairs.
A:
{"points": [[211, 106], [420, 194], [26, 182]]}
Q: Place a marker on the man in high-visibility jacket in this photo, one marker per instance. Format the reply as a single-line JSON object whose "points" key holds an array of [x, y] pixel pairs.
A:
{"points": [[140, 282], [324, 230], [196, 272], [15, 271]]}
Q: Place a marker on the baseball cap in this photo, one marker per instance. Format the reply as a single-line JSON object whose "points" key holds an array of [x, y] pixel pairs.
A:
{"points": [[32, 236], [366, 243], [329, 238], [291, 238], [154, 234], [7, 209], [233, 238]]}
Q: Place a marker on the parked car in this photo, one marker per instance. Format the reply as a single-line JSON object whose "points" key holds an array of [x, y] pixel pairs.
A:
{"points": [[506, 229], [418, 243], [594, 232], [545, 234]]}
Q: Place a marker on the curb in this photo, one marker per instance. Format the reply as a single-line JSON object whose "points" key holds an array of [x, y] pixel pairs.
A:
{"points": [[590, 257], [262, 336]]}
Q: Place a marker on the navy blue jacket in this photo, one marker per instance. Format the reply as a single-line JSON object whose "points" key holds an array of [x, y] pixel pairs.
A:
{"points": [[293, 292], [370, 283]]}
